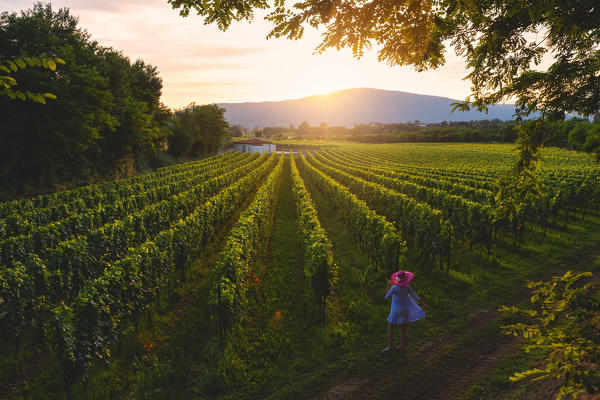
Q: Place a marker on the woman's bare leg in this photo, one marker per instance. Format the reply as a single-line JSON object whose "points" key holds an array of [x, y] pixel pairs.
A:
{"points": [[390, 342], [402, 336]]}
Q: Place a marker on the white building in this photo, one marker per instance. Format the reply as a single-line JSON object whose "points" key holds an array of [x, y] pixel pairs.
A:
{"points": [[254, 145]]}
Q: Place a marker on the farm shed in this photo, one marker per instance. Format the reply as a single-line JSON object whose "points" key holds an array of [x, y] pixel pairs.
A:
{"points": [[255, 145]]}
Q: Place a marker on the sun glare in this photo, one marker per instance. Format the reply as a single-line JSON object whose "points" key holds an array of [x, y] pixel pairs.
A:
{"points": [[300, 76]]}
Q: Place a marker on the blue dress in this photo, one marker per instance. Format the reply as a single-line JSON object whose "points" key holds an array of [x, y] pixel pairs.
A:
{"points": [[404, 306]]}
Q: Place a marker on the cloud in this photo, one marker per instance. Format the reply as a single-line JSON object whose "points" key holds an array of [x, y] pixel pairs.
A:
{"points": [[108, 6], [197, 85], [207, 66], [201, 63], [183, 51]]}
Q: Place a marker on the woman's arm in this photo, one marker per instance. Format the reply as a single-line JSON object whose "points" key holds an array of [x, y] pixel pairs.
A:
{"points": [[388, 292], [412, 294]]}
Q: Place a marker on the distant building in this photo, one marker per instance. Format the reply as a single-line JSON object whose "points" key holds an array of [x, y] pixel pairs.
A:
{"points": [[255, 145]]}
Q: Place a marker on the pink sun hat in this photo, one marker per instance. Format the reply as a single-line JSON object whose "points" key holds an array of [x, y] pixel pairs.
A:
{"points": [[402, 278]]}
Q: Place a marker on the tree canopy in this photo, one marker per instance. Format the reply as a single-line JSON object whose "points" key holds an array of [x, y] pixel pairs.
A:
{"points": [[198, 130], [106, 116], [503, 42]]}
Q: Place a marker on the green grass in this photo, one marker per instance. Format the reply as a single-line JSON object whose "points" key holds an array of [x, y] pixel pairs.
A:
{"points": [[497, 384], [277, 319], [283, 341], [453, 299]]}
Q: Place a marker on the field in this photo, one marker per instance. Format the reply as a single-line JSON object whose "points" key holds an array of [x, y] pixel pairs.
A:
{"points": [[263, 276]]}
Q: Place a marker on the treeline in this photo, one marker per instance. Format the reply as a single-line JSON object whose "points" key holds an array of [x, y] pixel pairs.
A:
{"points": [[198, 130], [462, 131], [576, 134], [472, 131], [107, 121]]}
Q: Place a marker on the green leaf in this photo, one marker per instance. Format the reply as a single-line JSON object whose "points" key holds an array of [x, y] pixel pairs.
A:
{"points": [[49, 96], [20, 63], [60, 60], [20, 95], [52, 65], [5, 68], [11, 81], [13, 66], [38, 98]]}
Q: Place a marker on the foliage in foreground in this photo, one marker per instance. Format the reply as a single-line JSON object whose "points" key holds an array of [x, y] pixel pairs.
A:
{"points": [[503, 42], [8, 83], [233, 274], [319, 268], [563, 323]]}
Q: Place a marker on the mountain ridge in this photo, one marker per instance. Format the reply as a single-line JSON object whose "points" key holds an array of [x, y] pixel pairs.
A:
{"points": [[355, 106]]}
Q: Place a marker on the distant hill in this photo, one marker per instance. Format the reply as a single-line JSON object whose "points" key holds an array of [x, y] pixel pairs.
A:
{"points": [[350, 106]]}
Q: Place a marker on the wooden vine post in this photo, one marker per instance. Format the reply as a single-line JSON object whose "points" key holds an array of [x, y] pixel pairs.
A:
{"points": [[220, 312]]}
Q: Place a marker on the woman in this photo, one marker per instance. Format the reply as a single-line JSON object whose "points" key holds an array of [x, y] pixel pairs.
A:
{"points": [[406, 306]]}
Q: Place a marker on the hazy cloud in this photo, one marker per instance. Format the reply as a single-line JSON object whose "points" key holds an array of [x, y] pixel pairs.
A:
{"points": [[108, 6], [203, 64], [208, 66], [196, 85]]}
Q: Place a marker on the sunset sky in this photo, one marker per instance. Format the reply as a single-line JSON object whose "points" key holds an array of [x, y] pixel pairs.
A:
{"points": [[201, 64]]}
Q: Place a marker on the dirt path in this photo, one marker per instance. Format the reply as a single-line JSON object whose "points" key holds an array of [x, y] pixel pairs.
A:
{"points": [[447, 364], [435, 370], [446, 368], [420, 372]]}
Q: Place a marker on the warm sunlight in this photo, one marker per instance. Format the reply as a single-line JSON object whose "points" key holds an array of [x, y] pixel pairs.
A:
{"points": [[202, 64], [191, 211]]}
